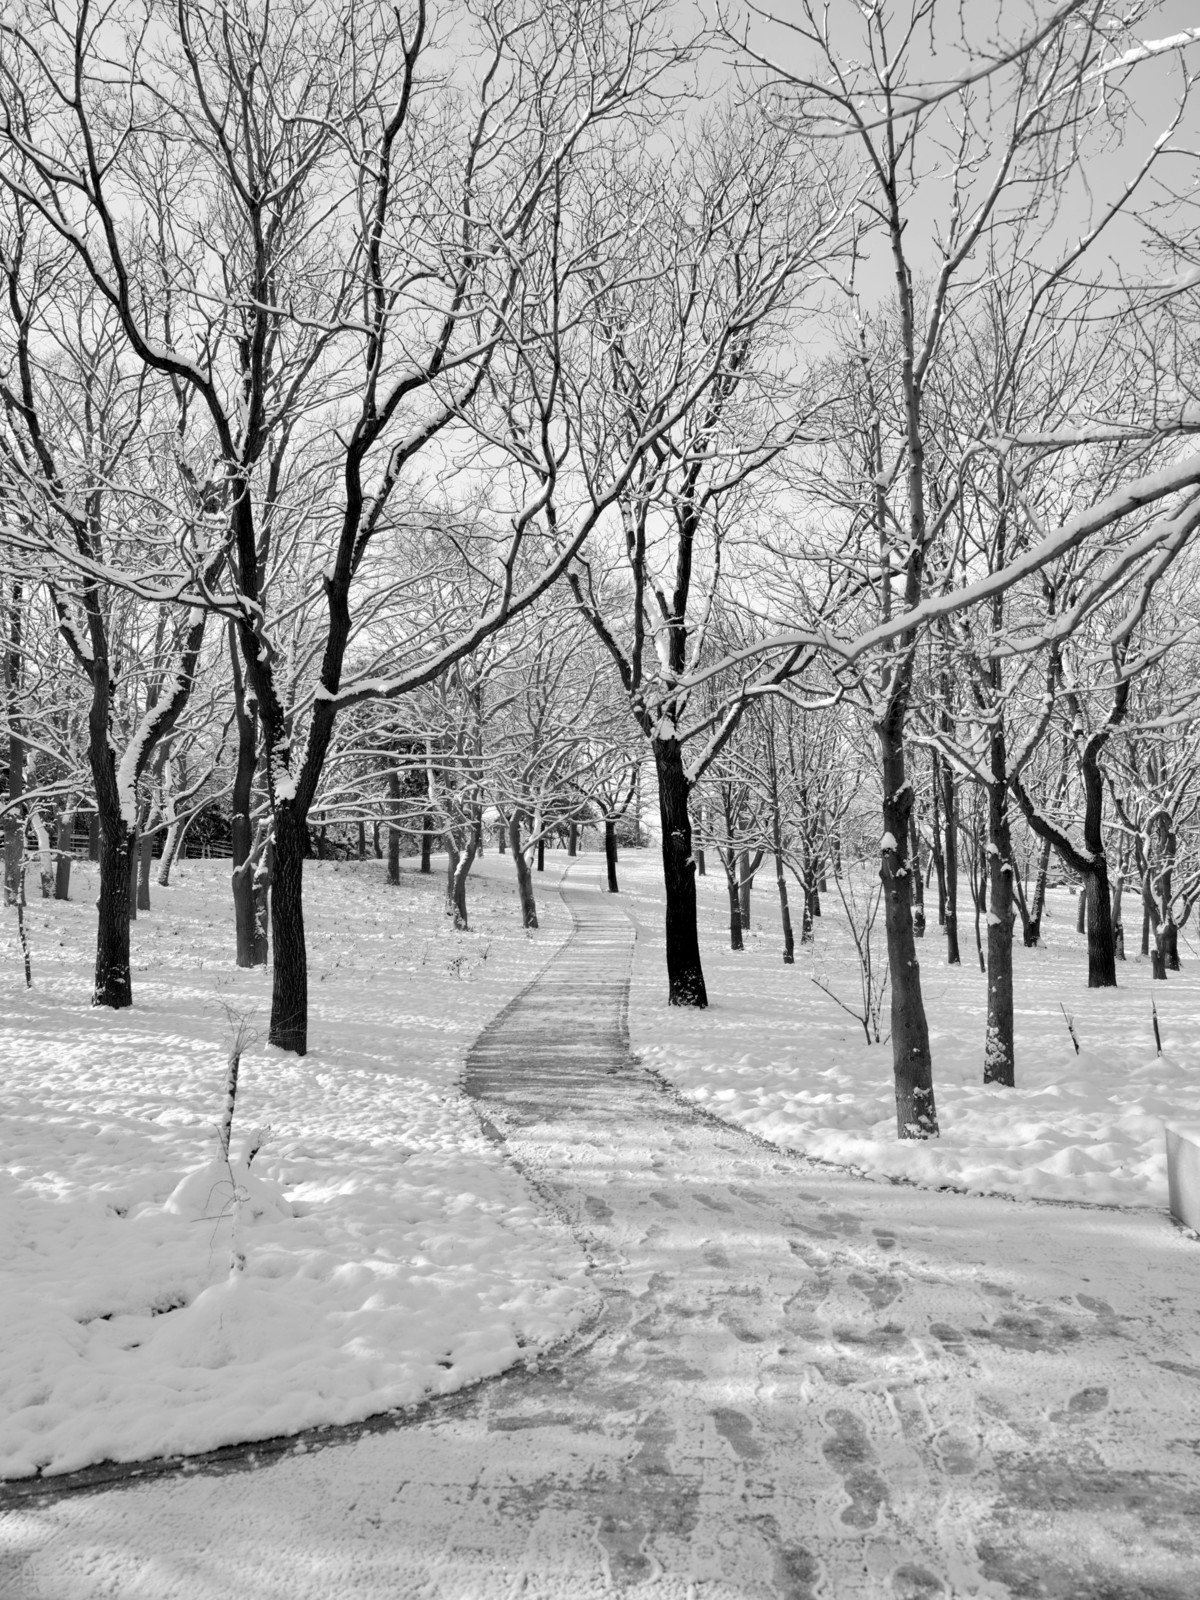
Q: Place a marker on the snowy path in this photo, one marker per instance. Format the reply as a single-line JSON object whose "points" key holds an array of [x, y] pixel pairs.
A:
{"points": [[801, 1385]]}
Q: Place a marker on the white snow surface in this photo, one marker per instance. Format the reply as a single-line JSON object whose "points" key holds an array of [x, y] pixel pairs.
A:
{"points": [[392, 1251], [775, 1055]]}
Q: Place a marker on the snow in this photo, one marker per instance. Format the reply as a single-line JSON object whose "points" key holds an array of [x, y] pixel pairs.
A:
{"points": [[391, 1251], [775, 1055], [888, 842]]}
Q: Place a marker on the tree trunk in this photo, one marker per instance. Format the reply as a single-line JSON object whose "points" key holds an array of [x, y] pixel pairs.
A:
{"points": [[113, 986], [426, 843], [131, 886], [45, 856], [916, 1113], [362, 841], [393, 838], [729, 862], [1171, 952], [1081, 909], [1118, 927], [376, 847], [541, 853], [524, 876], [1102, 955], [94, 837], [289, 990], [610, 852], [953, 954], [462, 867], [999, 1056], [685, 976], [1033, 923], [789, 943], [573, 839], [500, 843], [747, 867], [145, 859], [263, 874], [939, 860], [451, 867], [62, 859], [918, 883]]}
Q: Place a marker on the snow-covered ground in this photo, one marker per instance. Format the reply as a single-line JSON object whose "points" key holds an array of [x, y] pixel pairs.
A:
{"points": [[776, 1055], [396, 1254]]}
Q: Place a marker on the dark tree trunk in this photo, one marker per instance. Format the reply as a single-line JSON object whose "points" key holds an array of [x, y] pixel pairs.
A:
{"points": [[747, 866], [541, 853], [113, 986], [242, 875], [393, 838], [1171, 952], [376, 847], [729, 862], [524, 876], [701, 869], [500, 842], [1118, 895], [1081, 909], [916, 1113], [427, 843], [62, 858], [145, 854], [131, 886], [939, 860], [1102, 955], [999, 1056], [685, 976], [289, 991], [789, 942], [1145, 930], [953, 954], [362, 841], [94, 836], [451, 866], [806, 917], [573, 839], [610, 852]]}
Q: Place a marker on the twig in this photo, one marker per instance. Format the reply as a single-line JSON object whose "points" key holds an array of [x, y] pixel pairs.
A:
{"points": [[1070, 1020]]}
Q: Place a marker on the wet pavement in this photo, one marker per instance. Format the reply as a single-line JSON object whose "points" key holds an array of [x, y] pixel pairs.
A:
{"points": [[798, 1384]]}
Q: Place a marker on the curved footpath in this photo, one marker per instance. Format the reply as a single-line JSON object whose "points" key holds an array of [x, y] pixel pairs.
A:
{"points": [[801, 1385]]}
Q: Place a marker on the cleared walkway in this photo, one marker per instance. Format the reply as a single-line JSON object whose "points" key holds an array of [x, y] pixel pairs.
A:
{"points": [[799, 1386]]}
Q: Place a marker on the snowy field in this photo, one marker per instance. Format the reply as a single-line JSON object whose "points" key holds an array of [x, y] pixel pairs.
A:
{"points": [[394, 1253], [776, 1055]]}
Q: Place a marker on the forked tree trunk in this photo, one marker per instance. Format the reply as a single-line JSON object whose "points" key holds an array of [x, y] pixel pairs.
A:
{"points": [[610, 852], [685, 976], [289, 990], [916, 1113], [524, 876], [747, 866]]}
